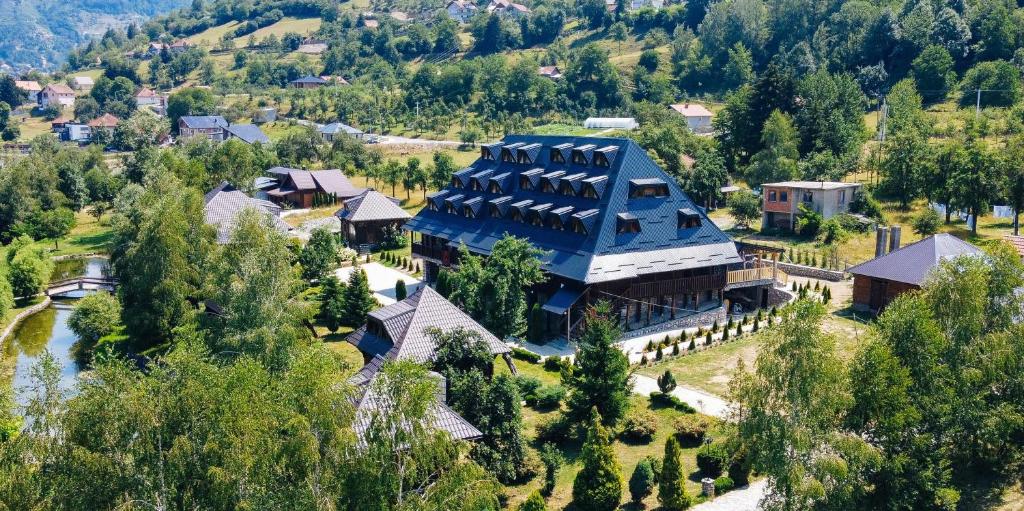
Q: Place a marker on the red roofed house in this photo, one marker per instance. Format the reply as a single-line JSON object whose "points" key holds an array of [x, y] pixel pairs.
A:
{"points": [[551, 72], [508, 8], [698, 118], [58, 95], [105, 122], [146, 97]]}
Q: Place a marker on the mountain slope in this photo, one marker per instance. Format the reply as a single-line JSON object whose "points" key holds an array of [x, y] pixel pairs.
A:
{"points": [[39, 33]]}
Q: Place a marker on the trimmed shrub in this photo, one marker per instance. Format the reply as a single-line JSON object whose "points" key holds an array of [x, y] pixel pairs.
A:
{"points": [[725, 334], [723, 484], [639, 426], [740, 467], [708, 339], [641, 483], [525, 355], [555, 364], [668, 400], [549, 397], [691, 429], [555, 430], [675, 349], [528, 386], [666, 382], [693, 344], [713, 458], [659, 354]]}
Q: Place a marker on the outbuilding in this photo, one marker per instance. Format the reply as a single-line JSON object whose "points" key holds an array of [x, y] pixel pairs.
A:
{"points": [[622, 123], [367, 218]]}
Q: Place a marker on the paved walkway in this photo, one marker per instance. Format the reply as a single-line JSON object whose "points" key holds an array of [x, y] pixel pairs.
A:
{"points": [[382, 281], [701, 401], [740, 499]]}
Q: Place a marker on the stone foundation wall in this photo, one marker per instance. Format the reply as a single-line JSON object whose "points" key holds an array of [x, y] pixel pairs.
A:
{"points": [[800, 270], [701, 319], [778, 296]]}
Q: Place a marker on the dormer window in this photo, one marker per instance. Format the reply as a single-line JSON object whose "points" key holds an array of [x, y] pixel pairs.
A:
{"points": [[471, 207], [560, 153], [581, 155], [593, 187], [506, 156], [559, 217], [627, 223], [497, 208], [603, 157], [487, 151], [651, 187], [525, 183], [536, 214], [600, 160], [530, 179], [556, 156], [500, 183], [578, 227], [578, 158], [688, 218], [583, 221], [436, 201], [478, 182], [527, 153], [520, 210], [452, 204], [549, 181]]}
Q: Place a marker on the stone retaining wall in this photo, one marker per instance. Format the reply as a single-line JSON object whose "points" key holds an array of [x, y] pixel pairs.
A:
{"points": [[800, 270], [22, 315], [700, 319]]}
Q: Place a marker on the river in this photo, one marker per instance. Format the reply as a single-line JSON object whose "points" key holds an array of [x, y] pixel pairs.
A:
{"points": [[48, 329]]}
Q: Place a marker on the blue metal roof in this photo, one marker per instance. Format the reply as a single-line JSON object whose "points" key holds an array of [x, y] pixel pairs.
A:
{"points": [[601, 254]]}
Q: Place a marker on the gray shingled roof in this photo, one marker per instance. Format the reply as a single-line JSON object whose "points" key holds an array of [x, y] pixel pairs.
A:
{"points": [[204, 121], [912, 263], [372, 205], [588, 249], [223, 204], [338, 127], [334, 182], [248, 133], [405, 324], [369, 402]]}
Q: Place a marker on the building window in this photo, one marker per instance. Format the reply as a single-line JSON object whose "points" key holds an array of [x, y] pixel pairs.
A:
{"points": [[654, 188], [537, 220], [772, 196], [578, 158], [842, 196], [600, 160], [556, 156], [546, 187], [556, 224], [506, 156], [578, 228], [486, 154], [589, 192], [495, 212], [493, 187], [524, 183], [783, 196], [432, 206], [627, 224], [517, 216], [808, 197]]}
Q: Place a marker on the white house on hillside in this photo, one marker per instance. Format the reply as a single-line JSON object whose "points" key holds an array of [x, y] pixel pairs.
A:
{"points": [[58, 95], [461, 10], [697, 117]]}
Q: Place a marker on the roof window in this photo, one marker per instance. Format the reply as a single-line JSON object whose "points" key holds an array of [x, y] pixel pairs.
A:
{"points": [[688, 218], [650, 187], [627, 223]]}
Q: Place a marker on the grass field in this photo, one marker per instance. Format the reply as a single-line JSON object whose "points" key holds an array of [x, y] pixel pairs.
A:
{"points": [[31, 127], [303, 26], [562, 129], [628, 454]]}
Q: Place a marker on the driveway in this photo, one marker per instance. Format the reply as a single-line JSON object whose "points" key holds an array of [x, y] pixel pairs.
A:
{"points": [[740, 499], [382, 281]]}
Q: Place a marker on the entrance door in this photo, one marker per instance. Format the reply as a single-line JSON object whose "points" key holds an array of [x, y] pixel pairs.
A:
{"points": [[878, 289]]}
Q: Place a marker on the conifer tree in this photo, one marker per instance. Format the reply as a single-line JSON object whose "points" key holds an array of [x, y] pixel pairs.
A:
{"points": [[671, 485], [359, 300], [400, 291], [666, 382], [641, 483], [597, 486], [332, 303], [601, 376], [534, 503]]}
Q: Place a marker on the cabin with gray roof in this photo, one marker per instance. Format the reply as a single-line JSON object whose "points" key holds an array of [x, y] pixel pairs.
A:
{"points": [[309, 188], [879, 281], [367, 218], [335, 130], [612, 224], [223, 204], [248, 133], [209, 126]]}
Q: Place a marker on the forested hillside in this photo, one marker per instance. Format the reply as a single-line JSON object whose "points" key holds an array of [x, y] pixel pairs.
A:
{"points": [[39, 33]]}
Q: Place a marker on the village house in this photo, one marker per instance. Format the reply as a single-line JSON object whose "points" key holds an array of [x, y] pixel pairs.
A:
{"points": [[82, 83], [698, 118], [461, 10], [366, 219], [507, 8], [307, 82], [248, 133], [209, 126], [781, 201], [60, 123], [300, 187], [612, 224], [401, 331], [31, 88], [878, 282], [333, 131], [264, 115], [146, 97], [105, 123], [76, 132], [551, 72], [57, 95], [223, 204]]}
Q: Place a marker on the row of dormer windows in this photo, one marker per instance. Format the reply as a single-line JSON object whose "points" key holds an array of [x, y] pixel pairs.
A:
{"points": [[526, 154]]}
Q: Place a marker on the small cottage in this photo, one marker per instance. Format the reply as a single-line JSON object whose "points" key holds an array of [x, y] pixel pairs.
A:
{"points": [[367, 218]]}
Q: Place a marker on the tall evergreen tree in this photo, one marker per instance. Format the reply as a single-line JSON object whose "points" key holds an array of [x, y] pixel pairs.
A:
{"points": [[672, 481], [359, 300], [601, 377], [332, 303], [597, 486]]}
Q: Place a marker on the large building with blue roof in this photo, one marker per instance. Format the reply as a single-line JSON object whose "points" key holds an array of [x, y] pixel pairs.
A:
{"points": [[614, 226]]}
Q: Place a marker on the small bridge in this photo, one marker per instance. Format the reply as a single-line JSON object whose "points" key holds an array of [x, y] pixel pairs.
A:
{"points": [[60, 287]]}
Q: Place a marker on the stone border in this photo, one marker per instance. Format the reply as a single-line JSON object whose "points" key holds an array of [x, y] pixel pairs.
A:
{"points": [[799, 270], [22, 315]]}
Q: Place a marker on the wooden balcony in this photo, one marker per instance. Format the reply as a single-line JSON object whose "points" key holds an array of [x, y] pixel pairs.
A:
{"points": [[756, 274], [445, 255]]}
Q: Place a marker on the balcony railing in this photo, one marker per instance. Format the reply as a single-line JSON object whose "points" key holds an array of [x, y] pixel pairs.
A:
{"points": [[754, 274]]}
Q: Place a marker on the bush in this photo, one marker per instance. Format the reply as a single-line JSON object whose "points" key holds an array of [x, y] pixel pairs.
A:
{"points": [[739, 467], [555, 363], [723, 484], [675, 349], [691, 429], [670, 401], [693, 344], [713, 458], [927, 222], [639, 426], [528, 386], [555, 430], [666, 382], [525, 355], [549, 397], [641, 483]]}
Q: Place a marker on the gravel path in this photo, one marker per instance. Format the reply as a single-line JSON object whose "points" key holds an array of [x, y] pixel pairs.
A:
{"points": [[740, 499]]}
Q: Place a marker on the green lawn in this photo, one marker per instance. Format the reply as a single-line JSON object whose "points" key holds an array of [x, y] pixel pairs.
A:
{"points": [[562, 129], [303, 26], [628, 454]]}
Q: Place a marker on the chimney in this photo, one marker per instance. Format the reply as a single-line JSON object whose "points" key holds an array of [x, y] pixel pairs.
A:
{"points": [[881, 237], [894, 238]]}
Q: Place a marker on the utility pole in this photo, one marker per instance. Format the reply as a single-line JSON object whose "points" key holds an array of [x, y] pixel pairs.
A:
{"points": [[884, 111], [977, 105]]}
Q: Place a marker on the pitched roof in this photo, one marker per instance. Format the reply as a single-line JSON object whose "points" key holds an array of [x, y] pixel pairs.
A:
{"points": [[83, 80], [337, 127], [334, 182], [370, 401], [29, 85], [310, 79], [204, 121], [104, 121], [912, 263], [145, 92], [371, 205], [814, 185], [59, 88], [601, 254], [248, 133], [692, 110], [223, 204], [405, 326]]}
